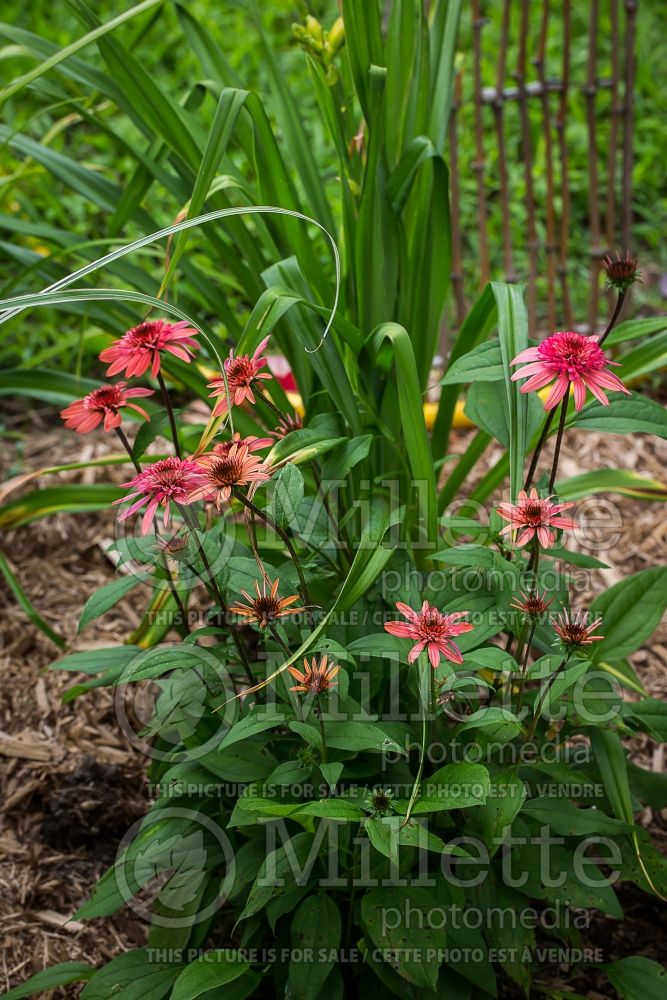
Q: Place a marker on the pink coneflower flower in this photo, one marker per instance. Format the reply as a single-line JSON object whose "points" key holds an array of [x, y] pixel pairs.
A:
{"points": [[316, 678], [266, 608], [141, 347], [534, 605], [159, 484], [241, 373], [252, 443], [575, 633], [222, 473], [432, 629], [105, 404], [531, 515], [569, 358]]}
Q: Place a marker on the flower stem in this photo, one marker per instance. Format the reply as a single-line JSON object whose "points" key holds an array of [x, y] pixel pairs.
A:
{"points": [[128, 447], [171, 583], [303, 587], [520, 643], [614, 316], [425, 703], [323, 735], [212, 584], [170, 413], [559, 441], [534, 562], [543, 698], [524, 665], [278, 638], [538, 449], [269, 402]]}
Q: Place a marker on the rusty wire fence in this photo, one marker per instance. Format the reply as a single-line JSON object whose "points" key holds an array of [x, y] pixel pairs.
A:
{"points": [[541, 152]]}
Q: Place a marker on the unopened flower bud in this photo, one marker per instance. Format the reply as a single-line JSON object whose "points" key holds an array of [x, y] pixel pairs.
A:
{"points": [[621, 272]]}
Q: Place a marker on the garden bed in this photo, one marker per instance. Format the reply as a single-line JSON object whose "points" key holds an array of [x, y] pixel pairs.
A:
{"points": [[70, 784]]}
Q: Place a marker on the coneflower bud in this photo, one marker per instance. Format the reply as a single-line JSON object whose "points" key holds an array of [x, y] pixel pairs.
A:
{"points": [[177, 547], [621, 272], [379, 802]]}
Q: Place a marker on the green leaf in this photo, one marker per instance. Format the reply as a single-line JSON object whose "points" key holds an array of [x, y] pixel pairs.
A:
{"points": [[331, 773], [108, 595], [633, 415], [258, 720], [213, 970], [25, 603], [483, 364], [443, 34], [152, 663], [303, 445], [513, 337], [633, 329], [315, 935], [417, 946], [57, 975], [576, 558], [412, 421], [41, 503], [23, 81], [353, 736], [503, 802], [491, 658], [568, 820], [564, 884], [487, 407], [646, 359], [648, 715], [157, 426], [57, 388], [287, 495], [132, 976], [637, 978], [278, 871], [622, 481], [611, 762], [631, 610], [94, 661], [454, 786], [339, 464], [473, 330]]}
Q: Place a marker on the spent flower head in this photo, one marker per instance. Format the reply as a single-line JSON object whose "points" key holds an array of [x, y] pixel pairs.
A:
{"points": [[571, 359], [265, 608], [242, 372], [532, 515], [432, 629], [104, 404], [533, 604], [142, 346], [315, 678]]}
